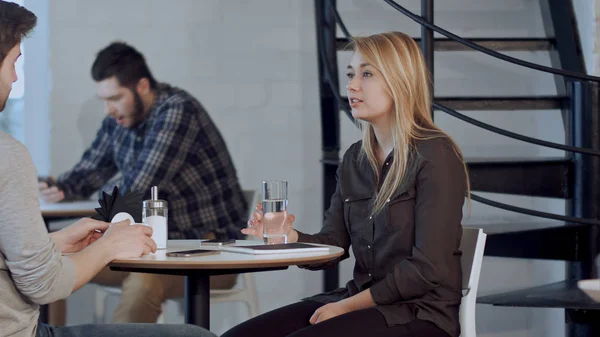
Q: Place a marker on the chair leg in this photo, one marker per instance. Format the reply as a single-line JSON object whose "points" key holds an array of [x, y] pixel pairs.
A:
{"points": [[101, 297], [252, 309], [161, 317], [252, 297]]}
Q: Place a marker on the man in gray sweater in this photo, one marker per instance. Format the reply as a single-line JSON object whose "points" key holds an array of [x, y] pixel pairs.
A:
{"points": [[33, 267]]}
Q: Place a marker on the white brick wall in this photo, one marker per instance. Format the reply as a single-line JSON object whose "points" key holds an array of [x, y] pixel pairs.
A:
{"points": [[253, 65], [587, 14]]}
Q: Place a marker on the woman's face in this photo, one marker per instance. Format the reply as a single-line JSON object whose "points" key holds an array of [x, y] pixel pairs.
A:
{"points": [[367, 91]]}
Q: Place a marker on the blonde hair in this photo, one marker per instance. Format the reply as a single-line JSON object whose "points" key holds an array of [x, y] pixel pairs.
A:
{"points": [[399, 60]]}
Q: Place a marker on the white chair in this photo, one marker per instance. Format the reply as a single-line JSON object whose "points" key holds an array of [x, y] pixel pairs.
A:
{"points": [[246, 292], [472, 246]]}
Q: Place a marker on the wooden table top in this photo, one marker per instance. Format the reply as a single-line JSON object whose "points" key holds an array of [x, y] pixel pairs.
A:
{"points": [[224, 260], [70, 209]]}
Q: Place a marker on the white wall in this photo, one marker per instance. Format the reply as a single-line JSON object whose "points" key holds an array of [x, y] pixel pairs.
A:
{"points": [[36, 107], [587, 14], [254, 71], [253, 65]]}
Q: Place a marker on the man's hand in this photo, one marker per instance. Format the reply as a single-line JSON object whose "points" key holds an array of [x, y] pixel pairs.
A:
{"points": [[50, 195], [126, 241], [79, 235], [120, 241], [328, 311]]}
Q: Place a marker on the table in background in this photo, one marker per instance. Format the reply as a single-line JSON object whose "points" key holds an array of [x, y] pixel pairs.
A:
{"points": [[68, 210]]}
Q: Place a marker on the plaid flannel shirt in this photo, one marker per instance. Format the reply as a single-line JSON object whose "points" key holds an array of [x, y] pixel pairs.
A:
{"points": [[177, 148]]}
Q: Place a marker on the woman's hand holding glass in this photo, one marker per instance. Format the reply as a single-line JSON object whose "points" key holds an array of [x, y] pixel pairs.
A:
{"points": [[256, 228]]}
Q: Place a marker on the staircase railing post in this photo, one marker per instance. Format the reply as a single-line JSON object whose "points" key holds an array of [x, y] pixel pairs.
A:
{"points": [[584, 132], [330, 112], [427, 39]]}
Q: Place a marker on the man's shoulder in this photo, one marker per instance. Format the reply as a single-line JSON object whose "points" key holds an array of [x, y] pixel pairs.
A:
{"points": [[9, 146], [172, 96], [13, 153], [6, 139]]}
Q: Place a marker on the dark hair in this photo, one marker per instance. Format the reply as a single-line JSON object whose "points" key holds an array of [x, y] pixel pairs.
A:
{"points": [[15, 23], [123, 62]]}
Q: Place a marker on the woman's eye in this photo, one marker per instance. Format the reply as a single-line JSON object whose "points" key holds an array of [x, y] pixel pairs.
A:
{"points": [[367, 74], [350, 75]]}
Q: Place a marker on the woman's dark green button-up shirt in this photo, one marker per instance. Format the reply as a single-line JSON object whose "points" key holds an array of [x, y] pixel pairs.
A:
{"points": [[407, 254]]}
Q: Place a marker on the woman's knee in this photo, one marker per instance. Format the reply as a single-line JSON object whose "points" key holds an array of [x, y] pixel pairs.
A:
{"points": [[279, 322]]}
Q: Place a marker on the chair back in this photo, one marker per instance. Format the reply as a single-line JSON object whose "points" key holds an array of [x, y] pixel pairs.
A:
{"points": [[472, 246]]}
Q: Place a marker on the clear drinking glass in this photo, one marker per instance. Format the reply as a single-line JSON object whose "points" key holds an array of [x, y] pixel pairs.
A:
{"points": [[274, 208]]}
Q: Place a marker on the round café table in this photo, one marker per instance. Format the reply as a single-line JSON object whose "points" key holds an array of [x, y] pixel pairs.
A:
{"points": [[197, 270]]}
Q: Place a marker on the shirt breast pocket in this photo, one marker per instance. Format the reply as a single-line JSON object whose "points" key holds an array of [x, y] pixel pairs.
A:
{"points": [[356, 214], [401, 212]]}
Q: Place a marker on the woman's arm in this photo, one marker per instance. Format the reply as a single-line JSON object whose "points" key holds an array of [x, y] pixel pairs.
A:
{"points": [[333, 233], [362, 300]]}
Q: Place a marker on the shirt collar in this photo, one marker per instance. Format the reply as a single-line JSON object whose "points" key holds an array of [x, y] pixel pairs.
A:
{"points": [[162, 93]]}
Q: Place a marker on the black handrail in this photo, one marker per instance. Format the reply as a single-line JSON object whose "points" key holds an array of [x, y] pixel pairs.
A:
{"points": [[533, 212], [513, 135], [457, 114], [511, 208], [483, 125], [336, 91], [490, 52], [338, 19]]}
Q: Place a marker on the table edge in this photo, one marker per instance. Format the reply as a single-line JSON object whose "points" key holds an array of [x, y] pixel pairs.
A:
{"points": [[200, 265]]}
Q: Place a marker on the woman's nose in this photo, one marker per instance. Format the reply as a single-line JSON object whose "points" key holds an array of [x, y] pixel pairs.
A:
{"points": [[352, 85]]}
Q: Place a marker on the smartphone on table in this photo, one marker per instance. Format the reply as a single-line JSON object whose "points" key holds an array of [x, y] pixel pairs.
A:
{"points": [[193, 252], [48, 180], [217, 243]]}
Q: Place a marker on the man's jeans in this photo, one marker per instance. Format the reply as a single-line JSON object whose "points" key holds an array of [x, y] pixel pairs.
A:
{"points": [[123, 330]]}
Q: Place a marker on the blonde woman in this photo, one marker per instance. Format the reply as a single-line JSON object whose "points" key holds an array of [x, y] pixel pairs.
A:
{"points": [[398, 203]]}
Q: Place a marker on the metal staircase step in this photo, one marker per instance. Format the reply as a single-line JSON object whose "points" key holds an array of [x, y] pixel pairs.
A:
{"points": [[540, 177], [546, 240], [503, 103], [500, 103], [563, 294], [497, 44]]}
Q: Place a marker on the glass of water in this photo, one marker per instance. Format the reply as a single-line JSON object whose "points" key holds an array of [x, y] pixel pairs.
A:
{"points": [[274, 208]]}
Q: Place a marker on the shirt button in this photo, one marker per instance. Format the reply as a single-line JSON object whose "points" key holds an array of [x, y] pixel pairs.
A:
{"points": [[369, 274], [347, 199], [388, 200], [387, 163], [369, 247], [370, 217]]}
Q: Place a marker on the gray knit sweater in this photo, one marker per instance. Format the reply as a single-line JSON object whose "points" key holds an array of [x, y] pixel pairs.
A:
{"points": [[32, 270]]}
